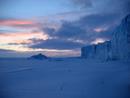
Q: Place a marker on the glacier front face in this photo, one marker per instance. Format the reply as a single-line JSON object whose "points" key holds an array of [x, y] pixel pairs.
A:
{"points": [[117, 48], [101, 51], [121, 40]]}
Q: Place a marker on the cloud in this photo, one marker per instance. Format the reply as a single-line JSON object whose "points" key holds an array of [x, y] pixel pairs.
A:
{"points": [[67, 30], [101, 6], [5, 50], [14, 22], [72, 35], [19, 38], [21, 23], [121, 6], [56, 44], [86, 27], [95, 21], [82, 3]]}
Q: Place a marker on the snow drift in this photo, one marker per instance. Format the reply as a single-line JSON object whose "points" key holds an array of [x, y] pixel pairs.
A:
{"points": [[69, 78]]}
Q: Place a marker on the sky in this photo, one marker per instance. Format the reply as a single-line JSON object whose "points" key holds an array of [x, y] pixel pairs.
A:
{"points": [[57, 28]]}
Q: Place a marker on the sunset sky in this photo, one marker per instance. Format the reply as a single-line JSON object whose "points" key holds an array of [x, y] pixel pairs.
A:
{"points": [[57, 27]]}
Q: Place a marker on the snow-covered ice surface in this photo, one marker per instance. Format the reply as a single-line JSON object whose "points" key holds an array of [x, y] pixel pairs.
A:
{"points": [[63, 78]]}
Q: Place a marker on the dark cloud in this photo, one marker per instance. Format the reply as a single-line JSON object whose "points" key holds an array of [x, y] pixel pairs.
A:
{"points": [[121, 6], [4, 50], [57, 44], [84, 27], [67, 30], [103, 6], [49, 31], [82, 3], [96, 20], [78, 33]]}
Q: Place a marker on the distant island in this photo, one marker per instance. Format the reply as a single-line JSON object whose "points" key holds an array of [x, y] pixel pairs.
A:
{"points": [[39, 56]]}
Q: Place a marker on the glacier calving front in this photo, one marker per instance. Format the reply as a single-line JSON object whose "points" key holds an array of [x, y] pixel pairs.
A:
{"points": [[117, 48]]}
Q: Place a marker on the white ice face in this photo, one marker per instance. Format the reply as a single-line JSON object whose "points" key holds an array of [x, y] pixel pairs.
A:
{"points": [[117, 48]]}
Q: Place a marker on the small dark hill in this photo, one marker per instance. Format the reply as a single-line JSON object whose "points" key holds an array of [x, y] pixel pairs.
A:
{"points": [[39, 57]]}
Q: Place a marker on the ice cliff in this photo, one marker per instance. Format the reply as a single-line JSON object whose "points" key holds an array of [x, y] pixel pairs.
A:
{"points": [[117, 48], [99, 51], [121, 40]]}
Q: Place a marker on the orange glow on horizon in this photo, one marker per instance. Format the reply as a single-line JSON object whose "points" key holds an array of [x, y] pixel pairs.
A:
{"points": [[21, 37], [16, 22]]}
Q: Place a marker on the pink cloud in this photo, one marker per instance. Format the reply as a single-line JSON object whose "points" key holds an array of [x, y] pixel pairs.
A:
{"points": [[15, 22], [21, 37], [21, 23]]}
